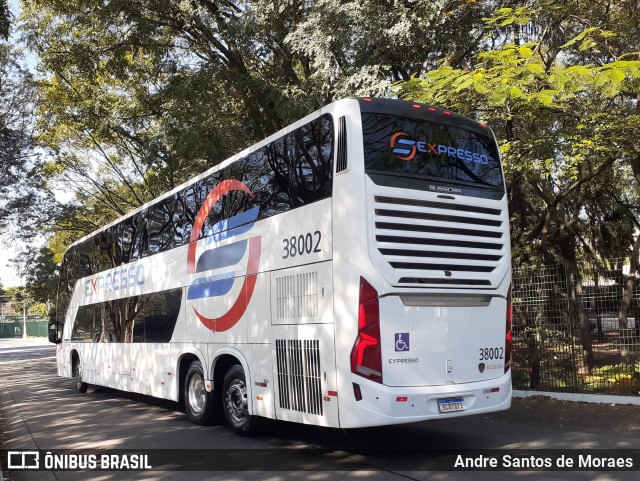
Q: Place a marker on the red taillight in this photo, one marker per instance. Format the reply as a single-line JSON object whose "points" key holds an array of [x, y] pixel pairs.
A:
{"points": [[508, 344], [366, 356]]}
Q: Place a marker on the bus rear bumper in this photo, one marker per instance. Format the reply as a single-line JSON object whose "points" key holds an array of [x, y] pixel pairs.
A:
{"points": [[384, 405]]}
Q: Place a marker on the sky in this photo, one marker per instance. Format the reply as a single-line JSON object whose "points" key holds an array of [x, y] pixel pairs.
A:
{"points": [[8, 275]]}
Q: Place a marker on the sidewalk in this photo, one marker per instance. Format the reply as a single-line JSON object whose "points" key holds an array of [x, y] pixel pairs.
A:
{"points": [[15, 432]]}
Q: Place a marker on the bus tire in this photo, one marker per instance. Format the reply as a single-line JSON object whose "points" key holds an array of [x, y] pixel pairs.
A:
{"points": [[199, 404], [81, 386], [235, 402]]}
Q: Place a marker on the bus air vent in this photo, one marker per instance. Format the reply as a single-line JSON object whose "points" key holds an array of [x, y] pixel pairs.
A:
{"points": [[299, 379], [297, 295], [440, 243], [341, 156]]}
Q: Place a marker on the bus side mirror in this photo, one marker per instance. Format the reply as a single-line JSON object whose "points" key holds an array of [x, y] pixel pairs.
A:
{"points": [[54, 333]]}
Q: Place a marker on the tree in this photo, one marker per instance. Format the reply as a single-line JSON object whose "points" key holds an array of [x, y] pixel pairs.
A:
{"points": [[563, 112], [37, 268], [4, 19], [140, 96], [565, 130], [19, 178]]}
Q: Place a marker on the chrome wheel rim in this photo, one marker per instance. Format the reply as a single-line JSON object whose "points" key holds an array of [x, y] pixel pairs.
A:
{"points": [[197, 394], [78, 377], [236, 400]]}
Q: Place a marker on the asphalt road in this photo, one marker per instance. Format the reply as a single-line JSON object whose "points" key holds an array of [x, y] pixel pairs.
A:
{"points": [[42, 411]]}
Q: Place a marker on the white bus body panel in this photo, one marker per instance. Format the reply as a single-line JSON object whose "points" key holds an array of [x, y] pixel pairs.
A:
{"points": [[435, 345]]}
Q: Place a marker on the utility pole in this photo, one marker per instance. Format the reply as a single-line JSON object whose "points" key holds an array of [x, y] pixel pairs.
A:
{"points": [[24, 319]]}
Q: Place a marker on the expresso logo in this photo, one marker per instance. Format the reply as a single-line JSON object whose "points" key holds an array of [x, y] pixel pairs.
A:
{"points": [[223, 258], [406, 149], [117, 280]]}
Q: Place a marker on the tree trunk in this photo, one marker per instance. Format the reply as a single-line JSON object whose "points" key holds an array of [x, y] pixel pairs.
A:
{"points": [[575, 296]]}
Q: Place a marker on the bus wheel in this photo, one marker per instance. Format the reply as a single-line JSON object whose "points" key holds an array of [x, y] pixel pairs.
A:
{"points": [[234, 402], [81, 386], [199, 403]]}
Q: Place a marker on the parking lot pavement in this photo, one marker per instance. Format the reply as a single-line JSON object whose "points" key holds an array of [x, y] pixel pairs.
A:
{"points": [[43, 411]]}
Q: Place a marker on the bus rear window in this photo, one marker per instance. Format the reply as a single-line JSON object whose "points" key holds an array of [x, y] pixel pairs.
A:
{"points": [[418, 148]]}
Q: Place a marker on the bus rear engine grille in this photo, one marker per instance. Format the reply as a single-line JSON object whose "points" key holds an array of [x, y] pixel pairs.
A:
{"points": [[299, 379], [440, 243]]}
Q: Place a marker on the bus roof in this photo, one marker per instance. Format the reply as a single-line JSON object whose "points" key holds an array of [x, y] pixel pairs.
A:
{"points": [[367, 104]]}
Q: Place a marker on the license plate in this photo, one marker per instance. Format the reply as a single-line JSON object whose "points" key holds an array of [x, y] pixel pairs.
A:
{"points": [[451, 405]]}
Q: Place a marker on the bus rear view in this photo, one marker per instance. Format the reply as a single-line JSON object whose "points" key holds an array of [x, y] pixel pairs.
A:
{"points": [[421, 246]]}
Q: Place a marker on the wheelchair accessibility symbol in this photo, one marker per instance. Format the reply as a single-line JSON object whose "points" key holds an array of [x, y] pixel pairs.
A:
{"points": [[402, 341]]}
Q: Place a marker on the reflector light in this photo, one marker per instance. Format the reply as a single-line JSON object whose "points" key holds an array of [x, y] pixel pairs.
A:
{"points": [[495, 389], [402, 399], [367, 99], [416, 106], [332, 393], [483, 125], [357, 392], [446, 112], [431, 109]]}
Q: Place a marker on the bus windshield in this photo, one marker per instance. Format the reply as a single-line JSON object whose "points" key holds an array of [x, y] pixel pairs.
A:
{"points": [[410, 147]]}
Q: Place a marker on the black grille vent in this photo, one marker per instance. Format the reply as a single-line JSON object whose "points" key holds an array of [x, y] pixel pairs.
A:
{"points": [[440, 243], [299, 380], [437, 205], [341, 161]]}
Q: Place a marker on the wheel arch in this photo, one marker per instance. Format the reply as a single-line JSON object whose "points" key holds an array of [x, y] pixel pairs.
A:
{"points": [[74, 357], [222, 361], [183, 362]]}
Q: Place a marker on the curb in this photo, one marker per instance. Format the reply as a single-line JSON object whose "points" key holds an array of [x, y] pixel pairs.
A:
{"points": [[578, 397], [19, 437]]}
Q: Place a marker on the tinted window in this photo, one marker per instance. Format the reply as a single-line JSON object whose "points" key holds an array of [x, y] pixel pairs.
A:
{"points": [[107, 249], [160, 314], [84, 328], [126, 231], [146, 318], [290, 172], [416, 148], [160, 232]]}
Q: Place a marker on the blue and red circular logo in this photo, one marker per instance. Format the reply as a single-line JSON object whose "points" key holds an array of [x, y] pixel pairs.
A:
{"points": [[403, 146], [223, 258]]}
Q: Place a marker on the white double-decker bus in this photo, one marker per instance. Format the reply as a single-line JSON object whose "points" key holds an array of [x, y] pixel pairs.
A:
{"points": [[350, 270]]}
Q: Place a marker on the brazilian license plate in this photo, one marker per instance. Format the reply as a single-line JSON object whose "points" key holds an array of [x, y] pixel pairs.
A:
{"points": [[451, 405]]}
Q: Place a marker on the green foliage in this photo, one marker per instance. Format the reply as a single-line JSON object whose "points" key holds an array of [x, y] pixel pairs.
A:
{"points": [[137, 97], [38, 269], [5, 24], [617, 378], [19, 174], [566, 131]]}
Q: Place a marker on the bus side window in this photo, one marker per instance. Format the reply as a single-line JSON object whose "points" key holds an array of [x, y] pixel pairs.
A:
{"points": [[125, 230], [84, 328]]}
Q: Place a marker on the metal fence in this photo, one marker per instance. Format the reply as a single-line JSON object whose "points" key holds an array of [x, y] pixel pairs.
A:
{"points": [[576, 329], [15, 328]]}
